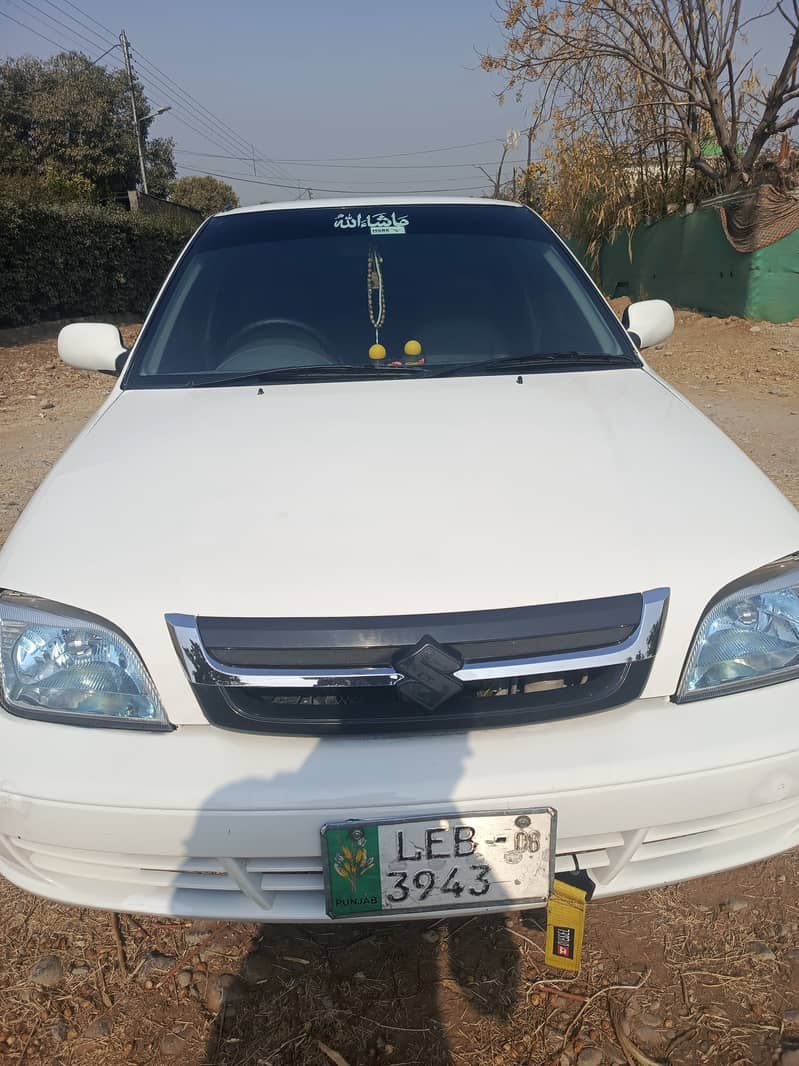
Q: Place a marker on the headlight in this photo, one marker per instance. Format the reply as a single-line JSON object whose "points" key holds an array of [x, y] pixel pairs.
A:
{"points": [[59, 664], [749, 635]]}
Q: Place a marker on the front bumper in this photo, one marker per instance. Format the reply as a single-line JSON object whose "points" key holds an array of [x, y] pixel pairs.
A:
{"points": [[205, 823]]}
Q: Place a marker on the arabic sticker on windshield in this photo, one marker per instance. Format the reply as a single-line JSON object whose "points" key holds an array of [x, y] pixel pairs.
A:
{"points": [[378, 225]]}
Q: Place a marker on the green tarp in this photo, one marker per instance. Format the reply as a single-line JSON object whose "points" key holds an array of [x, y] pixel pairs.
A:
{"points": [[687, 260]]}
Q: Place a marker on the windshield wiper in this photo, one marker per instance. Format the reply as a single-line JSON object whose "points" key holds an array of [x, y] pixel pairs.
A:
{"points": [[540, 361], [344, 371], [299, 373]]}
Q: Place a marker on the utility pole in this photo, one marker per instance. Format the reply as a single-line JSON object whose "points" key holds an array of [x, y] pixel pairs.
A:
{"points": [[529, 163], [255, 172], [123, 40]]}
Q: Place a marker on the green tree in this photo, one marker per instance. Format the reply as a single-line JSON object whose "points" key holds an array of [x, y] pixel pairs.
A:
{"points": [[160, 165], [203, 193], [66, 123]]}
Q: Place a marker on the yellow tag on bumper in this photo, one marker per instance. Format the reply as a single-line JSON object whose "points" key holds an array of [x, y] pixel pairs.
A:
{"points": [[565, 926]]}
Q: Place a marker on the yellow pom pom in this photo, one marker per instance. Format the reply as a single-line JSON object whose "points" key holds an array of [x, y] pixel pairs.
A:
{"points": [[412, 348], [377, 352]]}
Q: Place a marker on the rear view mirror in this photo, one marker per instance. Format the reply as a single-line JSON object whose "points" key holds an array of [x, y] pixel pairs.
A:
{"points": [[649, 322], [92, 346]]}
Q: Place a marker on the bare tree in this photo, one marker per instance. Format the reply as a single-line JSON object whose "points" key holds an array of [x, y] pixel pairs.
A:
{"points": [[680, 59], [510, 144]]}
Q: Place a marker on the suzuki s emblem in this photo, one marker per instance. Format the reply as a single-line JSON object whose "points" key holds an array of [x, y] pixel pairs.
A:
{"points": [[428, 671]]}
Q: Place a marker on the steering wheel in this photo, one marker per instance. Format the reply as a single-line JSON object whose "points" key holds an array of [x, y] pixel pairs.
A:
{"points": [[239, 340]]}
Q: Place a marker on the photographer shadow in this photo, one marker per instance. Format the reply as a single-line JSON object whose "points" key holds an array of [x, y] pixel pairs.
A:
{"points": [[371, 992]]}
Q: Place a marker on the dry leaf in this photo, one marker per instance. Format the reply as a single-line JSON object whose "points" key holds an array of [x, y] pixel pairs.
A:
{"points": [[634, 1055], [334, 1056], [459, 990]]}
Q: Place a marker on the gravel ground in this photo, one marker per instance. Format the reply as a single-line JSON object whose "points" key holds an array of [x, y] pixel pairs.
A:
{"points": [[709, 969]]}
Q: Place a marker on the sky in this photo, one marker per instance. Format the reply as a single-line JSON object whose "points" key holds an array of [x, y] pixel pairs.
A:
{"points": [[304, 81], [312, 82]]}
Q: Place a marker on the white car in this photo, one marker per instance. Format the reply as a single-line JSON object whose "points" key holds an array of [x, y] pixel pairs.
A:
{"points": [[390, 581]]}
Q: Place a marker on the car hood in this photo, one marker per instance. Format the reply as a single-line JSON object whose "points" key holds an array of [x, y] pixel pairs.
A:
{"points": [[396, 497]]}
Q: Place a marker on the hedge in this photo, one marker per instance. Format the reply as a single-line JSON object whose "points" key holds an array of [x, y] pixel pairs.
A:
{"points": [[79, 260]]}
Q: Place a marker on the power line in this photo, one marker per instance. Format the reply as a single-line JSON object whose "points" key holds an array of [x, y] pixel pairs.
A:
{"points": [[386, 186], [103, 41], [397, 155], [201, 133], [30, 29], [100, 37], [193, 103], [413, 166], [233, 139], [206, 136], [60, 44], [215, 120], [58, 22], [185, 93], [334, 192], [218, 137], [217, 155], [389, 184], [68, 48], [213, 129], [90, 17], [208, 132], [216, 130], [357, 166]]}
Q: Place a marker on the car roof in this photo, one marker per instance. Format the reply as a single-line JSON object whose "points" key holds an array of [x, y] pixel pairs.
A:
{"points": [[372, 201]]}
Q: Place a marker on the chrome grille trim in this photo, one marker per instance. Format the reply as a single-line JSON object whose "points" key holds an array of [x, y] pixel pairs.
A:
{"points": [[202, 669]]}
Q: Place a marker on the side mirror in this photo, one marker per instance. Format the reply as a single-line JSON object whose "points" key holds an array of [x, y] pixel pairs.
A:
{"points": [[92, 346], [648, 322]]}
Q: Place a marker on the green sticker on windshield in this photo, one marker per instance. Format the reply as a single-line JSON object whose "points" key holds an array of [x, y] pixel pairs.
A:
{"points": [[379, 225]]}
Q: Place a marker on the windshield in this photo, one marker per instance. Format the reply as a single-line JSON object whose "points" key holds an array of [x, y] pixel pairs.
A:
{"points": [[422, 289]]}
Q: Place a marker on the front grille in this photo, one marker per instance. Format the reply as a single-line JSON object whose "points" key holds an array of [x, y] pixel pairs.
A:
{"points": [[328, 676], [324, 711]]}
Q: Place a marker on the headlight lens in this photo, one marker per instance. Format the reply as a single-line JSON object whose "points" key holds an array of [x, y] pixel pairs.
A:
{"points": [[61, 665], [749, 635]]}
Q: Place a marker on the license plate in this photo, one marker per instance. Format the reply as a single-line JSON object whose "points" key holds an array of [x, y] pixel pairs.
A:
{"points": [[439, 863]]}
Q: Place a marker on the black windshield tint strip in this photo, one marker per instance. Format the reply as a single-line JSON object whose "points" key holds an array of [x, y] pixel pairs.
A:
{"points": [[560, 619], [227, 231]]}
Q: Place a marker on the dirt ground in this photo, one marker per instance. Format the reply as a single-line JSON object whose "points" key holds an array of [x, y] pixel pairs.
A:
{"points": [[705, 972]]}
